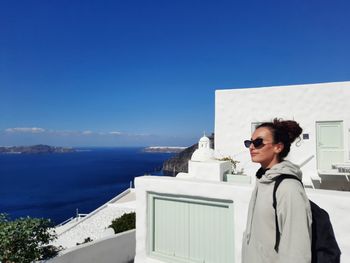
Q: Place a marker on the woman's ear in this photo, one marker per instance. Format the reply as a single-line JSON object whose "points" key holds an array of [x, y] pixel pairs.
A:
{"points": [[278, 147]]}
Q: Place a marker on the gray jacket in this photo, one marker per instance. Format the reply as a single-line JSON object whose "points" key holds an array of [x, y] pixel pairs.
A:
{"points": [[294, 220]]}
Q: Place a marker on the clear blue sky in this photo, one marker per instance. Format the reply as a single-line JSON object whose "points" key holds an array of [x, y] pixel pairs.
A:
{"points": [[123, 73]]}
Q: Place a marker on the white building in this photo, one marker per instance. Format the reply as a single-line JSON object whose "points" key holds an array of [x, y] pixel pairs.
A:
{"points": [[322, 110], [204, 165], [198, 217]]}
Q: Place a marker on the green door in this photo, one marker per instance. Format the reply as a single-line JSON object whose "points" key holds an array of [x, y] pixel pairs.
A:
{"points": [[329, 143]]}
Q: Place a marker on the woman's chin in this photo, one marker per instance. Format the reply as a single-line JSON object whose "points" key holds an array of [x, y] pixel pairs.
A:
{"points": [[254, 159]]}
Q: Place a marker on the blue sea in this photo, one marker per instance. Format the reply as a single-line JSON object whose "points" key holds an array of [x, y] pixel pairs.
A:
{"points": [[55, 185]]}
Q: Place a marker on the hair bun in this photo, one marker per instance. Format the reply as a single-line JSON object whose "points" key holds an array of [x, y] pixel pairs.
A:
{"points": [[292, 128]]}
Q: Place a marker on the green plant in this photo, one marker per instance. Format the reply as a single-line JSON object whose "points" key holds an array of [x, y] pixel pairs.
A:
{"points": [[86, 240], [124, 223], [233, 163], [26, 239]]}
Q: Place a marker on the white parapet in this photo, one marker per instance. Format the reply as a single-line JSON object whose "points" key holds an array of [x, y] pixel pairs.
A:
{"points": [[119, 248], [336, 203], [238, 194], [210, 170]]}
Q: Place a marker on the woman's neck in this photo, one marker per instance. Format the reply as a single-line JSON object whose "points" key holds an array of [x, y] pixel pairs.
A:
{"points": [[270, 164]]}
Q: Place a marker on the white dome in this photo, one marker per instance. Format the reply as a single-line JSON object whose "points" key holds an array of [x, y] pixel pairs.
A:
{"points": [[204, 142], [201, 156], [204, 151], [204, 139]]}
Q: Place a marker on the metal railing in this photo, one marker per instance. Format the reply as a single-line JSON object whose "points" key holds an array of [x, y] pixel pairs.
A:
{"points": [[84, 217], [65, 222], [76, 218], [306, 160]]}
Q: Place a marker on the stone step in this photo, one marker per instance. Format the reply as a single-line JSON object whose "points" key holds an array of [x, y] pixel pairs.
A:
{"points": [[334, 172]]}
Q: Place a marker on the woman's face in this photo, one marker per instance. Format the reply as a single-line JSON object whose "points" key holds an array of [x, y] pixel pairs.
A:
{"points": [[267, 153]]}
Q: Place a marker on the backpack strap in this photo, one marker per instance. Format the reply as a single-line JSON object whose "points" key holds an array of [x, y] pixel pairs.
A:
{"points": [[278, 180]]}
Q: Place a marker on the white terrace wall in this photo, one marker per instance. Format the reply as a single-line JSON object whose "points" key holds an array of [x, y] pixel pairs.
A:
{"points": [[119, 248], [239, 194], [237, 109], [337, 204]]}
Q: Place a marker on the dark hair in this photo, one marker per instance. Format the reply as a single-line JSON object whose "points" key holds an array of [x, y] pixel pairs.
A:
{"points": [[283, 132]]}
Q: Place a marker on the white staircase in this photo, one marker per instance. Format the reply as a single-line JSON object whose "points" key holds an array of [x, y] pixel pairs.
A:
{"points": [[95, 224]]}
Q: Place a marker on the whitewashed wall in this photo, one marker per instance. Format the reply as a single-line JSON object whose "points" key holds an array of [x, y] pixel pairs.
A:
{"points": [[239, 194], [118, 248], [236, 109], [336, 203]]}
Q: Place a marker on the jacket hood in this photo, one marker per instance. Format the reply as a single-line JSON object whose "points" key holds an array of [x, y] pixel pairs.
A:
{"points": [[293, 215], [284, 167]]}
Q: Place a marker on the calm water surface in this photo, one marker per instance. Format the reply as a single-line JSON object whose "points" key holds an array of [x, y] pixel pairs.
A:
{"points": [[55, 185]]}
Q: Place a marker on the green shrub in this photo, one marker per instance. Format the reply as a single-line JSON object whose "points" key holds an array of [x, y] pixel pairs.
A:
{"points": [[26, 239], [124, 223], [233, 164], [86, 240]]}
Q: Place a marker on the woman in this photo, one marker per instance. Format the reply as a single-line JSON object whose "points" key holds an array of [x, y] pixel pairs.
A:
{"points": [[269, 145]]}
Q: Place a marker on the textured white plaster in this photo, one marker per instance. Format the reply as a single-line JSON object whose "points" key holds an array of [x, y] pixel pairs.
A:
{"points": [[240, 195], [212, 170], [236, 109], [94, 227], [94, 224], [118, 248], [336, 203]]}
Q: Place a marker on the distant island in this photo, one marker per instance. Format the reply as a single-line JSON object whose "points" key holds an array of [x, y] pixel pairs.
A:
{"points": [[164, 149], [34, 149]]}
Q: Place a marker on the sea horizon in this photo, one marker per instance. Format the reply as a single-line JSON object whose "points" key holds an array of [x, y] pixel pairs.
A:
{"points": [[55, 185]]}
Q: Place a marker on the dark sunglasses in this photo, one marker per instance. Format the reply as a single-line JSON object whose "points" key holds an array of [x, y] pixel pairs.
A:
{"points": [[258, 143]]}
